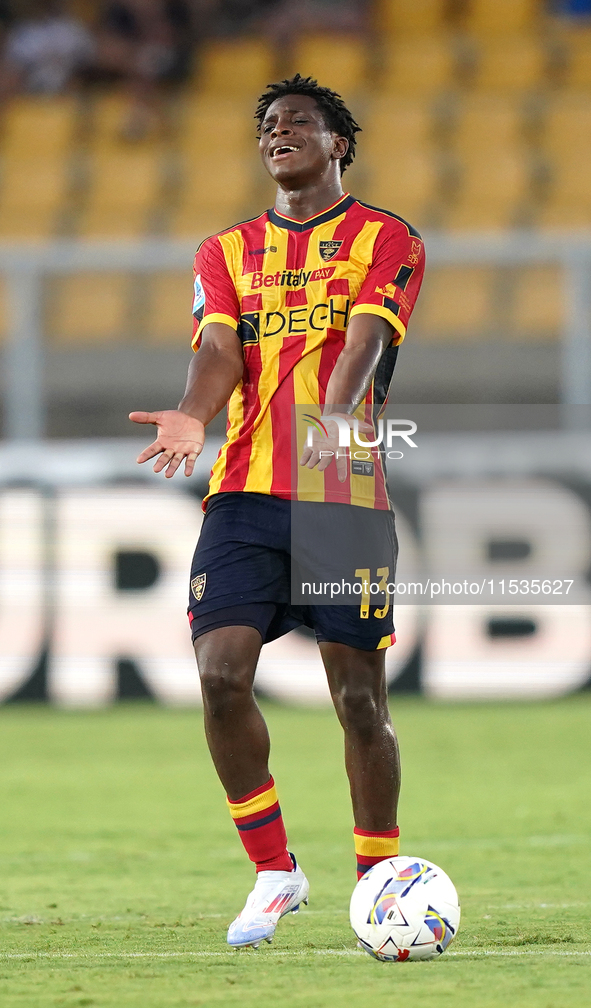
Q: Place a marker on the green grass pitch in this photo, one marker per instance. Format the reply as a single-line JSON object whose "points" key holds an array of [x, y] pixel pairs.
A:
{"points": [[120, 867]]}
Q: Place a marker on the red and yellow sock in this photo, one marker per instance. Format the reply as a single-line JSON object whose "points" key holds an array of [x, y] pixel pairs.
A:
{"points": [[372, 847], [258, 819]]}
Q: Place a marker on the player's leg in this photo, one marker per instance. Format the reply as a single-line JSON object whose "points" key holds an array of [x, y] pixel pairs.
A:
{"points": [[238, 557], [238, 738], [357, 684], [236, 732], [239, 744], [352, 546]]}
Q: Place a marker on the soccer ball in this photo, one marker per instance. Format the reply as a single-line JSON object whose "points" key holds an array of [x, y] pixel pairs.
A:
{"points": [[405, 908]]}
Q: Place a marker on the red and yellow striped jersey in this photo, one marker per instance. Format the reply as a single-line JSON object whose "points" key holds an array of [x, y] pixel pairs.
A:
{"points": [[289, 288]]}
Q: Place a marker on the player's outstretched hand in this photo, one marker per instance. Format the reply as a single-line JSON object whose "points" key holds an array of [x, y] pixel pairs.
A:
{"points": [[179, 437]]}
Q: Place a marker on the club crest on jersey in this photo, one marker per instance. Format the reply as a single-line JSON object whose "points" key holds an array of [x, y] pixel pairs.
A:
{"points": [[329, 249], [198, 586]]}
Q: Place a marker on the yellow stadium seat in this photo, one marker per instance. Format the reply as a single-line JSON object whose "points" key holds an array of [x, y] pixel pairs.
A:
{"points": [[567, 127], [125, 177], [88, 308], [538, 303], [338, 62], [219, 153], [577, 50], [493, 164], [566, 142], [492, 193], [401, 176], [568, 204], [456, 303], [238, 68], [407, 187], [515, 63], [487, 123], [421, 66], [169, 317], [503, 17], [36, 149], [410, 17]]}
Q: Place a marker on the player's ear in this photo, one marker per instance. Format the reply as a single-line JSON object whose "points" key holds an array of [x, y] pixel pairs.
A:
{"points": [[340, 147]]}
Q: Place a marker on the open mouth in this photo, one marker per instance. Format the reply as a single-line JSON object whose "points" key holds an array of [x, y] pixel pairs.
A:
{"points": [[280, 151]]}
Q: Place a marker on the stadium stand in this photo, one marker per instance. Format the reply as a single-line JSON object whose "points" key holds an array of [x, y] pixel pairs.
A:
{"points": [[438, 313], [125, 179], [168, 316], [234, 68], [410, 17], [538, 303], [88, 308], [502, 17], [339, 59], [492, 164], [576, 41], [517, 63], [423, 66], [36, 148], [217, 155], [407, 176], [566, 142], [476, 115]]}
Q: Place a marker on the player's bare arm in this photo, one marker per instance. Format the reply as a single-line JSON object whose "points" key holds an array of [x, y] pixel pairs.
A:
{"points": [[213, 375], [367, 338]]}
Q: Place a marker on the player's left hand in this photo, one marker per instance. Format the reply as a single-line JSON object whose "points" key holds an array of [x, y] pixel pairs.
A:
{"points": [[325, 449]]}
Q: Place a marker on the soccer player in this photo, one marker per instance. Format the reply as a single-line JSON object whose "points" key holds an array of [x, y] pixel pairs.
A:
{"points": [[305, 305]]}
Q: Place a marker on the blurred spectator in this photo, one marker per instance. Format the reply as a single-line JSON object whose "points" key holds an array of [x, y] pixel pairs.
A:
{"points": [[44, 50], [144, 43], [283, 20], [234, 17], [5, 14], [287, 21], [153, 35]]}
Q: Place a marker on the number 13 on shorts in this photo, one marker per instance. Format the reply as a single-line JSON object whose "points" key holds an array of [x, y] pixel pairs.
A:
{"points": [[382, 586]]}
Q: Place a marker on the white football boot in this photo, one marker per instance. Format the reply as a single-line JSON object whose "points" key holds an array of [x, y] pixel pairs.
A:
{"points": [[275, 894]]}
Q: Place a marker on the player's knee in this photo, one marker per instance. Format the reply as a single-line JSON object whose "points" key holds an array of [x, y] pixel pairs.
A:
{"points": [[359, 709], [224, 686]]}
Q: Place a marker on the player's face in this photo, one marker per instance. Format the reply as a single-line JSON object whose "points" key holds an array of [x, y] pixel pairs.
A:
{"points": [[296, 145]]}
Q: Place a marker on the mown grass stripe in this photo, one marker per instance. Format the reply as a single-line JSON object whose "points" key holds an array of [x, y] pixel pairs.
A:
{"points": [[274, 952]]}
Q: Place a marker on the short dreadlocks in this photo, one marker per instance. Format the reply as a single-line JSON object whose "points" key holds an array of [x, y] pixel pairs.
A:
{"points": [[336, 114]]}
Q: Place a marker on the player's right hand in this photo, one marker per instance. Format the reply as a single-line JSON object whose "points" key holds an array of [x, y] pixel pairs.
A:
{"points": [[179, 437]]}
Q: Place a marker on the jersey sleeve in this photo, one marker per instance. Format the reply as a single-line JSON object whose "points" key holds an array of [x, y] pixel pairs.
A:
{"points": [[215, 298], [394, 278]]}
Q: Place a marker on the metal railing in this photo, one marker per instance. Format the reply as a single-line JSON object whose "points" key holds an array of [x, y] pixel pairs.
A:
{"points": [[25, 268]]}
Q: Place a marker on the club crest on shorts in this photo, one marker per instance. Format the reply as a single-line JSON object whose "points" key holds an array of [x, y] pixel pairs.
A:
{"points": [[198, 586], [329, 249]]}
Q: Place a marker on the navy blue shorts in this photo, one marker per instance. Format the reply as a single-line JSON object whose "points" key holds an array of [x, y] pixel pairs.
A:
{"points": [[242, 570]]}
